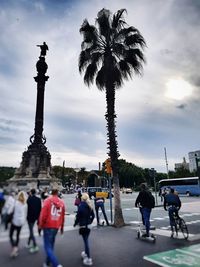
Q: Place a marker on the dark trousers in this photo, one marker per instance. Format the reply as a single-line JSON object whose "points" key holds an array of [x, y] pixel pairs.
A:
{"points": [[31, 234], [13, 229], [172, 210], [101, 206]]}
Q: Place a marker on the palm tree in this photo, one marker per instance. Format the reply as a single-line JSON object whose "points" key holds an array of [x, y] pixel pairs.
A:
{"points": [[111, 52]]}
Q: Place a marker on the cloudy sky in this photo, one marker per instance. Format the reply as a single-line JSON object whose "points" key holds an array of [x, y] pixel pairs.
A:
{"points": [[156, 110]]}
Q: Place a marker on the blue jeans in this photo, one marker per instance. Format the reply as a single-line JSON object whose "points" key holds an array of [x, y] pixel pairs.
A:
{"points": [[49, 236], [85, 234], [146, 212]]}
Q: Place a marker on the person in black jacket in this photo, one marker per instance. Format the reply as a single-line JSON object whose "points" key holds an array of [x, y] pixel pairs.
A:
{"points": [[34, 208], [144, 202], [84, 217]]}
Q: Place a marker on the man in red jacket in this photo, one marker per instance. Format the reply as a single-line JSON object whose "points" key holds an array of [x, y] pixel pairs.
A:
{"points": [[51, 219]]}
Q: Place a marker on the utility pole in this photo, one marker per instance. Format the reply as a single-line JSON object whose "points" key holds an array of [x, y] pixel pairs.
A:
{"points": [[166, 162]]}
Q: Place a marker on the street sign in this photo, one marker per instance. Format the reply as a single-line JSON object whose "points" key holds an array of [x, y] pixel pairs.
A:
{"points": [[185, 257]]}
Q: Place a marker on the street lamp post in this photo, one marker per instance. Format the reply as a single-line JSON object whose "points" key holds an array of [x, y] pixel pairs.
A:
{"points": [[154, 180]]}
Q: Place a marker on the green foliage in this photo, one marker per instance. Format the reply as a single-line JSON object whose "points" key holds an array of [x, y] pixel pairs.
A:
{"points": [[180, 173], [6, 173], [130, 175]]}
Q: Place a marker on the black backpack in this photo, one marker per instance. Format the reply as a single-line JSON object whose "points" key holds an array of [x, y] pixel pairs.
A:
{"points": [[151, 200]]}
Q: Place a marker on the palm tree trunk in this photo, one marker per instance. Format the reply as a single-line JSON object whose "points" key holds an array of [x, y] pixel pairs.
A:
{"points": [[113, 152]]}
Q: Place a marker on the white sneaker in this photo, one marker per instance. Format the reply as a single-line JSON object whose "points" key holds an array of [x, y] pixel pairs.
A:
{"points": [[87, 261], [83, 255], [59, 265], [15, 252], [28, 246], [34, 249]]}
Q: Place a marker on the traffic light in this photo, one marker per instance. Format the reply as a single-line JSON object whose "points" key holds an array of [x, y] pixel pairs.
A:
{"points": [[108, 168]]}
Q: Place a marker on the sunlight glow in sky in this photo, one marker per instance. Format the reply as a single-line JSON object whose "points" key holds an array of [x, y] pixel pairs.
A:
{"points": [[178, 89]]}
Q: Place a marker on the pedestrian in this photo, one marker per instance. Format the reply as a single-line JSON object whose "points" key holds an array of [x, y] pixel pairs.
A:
{"points": [[52, 217], [44, 194], [172, 203], [2, 199], [84, 218], [145, 201], [7, 210], [18, 220], [99, 204], [34, 208], [77, 200]]}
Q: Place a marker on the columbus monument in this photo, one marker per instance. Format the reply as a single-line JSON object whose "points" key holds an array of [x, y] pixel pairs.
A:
{"points": [[35, 170]]}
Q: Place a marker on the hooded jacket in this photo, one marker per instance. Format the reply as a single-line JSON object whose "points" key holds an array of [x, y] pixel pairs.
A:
{"points": [[53, 213]]}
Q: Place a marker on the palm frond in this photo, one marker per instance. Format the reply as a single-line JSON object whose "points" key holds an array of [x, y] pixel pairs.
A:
{"points": [[118, 20], [100, 79], [103, 21], [135, 53], [135, 64], [90, 73], [89, 32], [125, 69], [135, 40], [84, 59]]}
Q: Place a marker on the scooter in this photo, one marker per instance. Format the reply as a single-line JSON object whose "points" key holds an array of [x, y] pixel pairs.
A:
{"points": [[141, 232]]}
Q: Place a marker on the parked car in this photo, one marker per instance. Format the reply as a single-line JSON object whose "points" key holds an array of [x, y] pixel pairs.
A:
{"points": [[127, 191]]}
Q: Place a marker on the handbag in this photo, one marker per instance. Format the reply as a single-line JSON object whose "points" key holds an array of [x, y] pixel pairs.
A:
{"points": [[77, 201], [9, 217], [84, 231]]}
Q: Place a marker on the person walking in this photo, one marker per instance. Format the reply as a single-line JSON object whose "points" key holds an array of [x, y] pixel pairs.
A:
{"points": [[172, 203], [84, 218], [34, 208], [2, 199], [18, 220], [99, 204], [52, 217], [7, 210], [145, 201], [77, 200]]}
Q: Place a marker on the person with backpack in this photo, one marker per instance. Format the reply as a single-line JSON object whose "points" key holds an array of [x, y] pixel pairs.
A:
{"points": [[84, 218], [145, 201]]}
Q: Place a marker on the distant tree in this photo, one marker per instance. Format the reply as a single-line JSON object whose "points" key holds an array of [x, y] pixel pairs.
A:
{"points": [[181, 172], [130, 174], [6, 173], [111, 52]]}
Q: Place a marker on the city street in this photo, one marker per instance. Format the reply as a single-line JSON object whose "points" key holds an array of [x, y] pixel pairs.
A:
{"points": [[118, 247]]}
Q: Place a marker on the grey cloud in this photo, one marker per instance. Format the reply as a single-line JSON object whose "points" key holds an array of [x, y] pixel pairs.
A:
{"points": [[181, 106]]}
